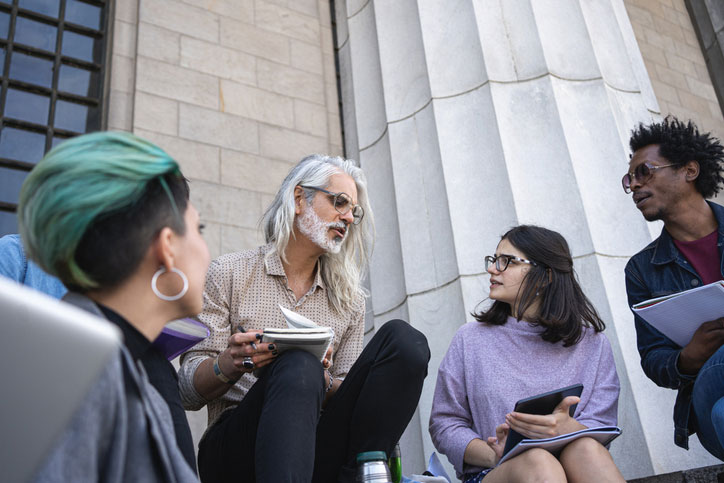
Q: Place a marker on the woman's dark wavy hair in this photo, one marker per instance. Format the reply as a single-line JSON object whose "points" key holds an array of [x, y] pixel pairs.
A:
{"points": [[564, 309], [679, 143]]}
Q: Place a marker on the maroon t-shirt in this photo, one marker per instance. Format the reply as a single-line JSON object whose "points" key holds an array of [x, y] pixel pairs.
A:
{"points": [[703, 254]]}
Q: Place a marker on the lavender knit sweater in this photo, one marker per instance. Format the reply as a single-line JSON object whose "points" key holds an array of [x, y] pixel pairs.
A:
{"points": [[488, 368]]}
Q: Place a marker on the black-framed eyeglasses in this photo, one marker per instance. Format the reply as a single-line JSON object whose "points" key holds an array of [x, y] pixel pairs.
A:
{"points": [[502, 261], [643, 172], [342, 203]]}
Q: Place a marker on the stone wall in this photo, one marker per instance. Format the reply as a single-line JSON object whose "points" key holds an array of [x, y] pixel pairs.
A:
{"points": [[237, 91], [675, 62]]}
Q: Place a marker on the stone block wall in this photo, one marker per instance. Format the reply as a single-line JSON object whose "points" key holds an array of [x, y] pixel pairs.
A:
{"points": [[237, 91], [675, 62]]}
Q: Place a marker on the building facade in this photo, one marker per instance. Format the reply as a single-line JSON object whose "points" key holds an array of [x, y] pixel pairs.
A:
{"points": [[468, 116]]}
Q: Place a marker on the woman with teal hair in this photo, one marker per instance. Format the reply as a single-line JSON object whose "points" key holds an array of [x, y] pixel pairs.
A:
{"points": [[109, 215]]}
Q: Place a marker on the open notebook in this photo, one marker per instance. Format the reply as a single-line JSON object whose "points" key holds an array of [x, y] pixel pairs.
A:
{"points": [[50, 355], [301, 333]]}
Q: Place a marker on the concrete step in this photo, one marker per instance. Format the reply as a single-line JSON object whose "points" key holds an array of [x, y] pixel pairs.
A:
{"points": [[707, 474]]}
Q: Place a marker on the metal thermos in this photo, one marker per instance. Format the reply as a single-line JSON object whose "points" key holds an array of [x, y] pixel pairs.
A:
{"points": [[372, 467]]}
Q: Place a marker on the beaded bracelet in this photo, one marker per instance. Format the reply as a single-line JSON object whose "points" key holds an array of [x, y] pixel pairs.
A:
{"points": [[331, 381]]}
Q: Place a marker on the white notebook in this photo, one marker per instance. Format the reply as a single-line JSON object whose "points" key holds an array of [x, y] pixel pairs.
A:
{"points": [[603, 435], [301, 333], [678, 315]]}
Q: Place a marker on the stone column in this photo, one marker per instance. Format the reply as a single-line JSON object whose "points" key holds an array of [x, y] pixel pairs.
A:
{"points": [[472, 116]]}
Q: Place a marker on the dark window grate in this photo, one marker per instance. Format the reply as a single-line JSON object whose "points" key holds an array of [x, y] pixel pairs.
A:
{"points": [[52, 70]]}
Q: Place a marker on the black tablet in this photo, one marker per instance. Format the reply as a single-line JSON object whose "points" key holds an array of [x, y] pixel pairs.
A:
{"points": [[541, 404]]}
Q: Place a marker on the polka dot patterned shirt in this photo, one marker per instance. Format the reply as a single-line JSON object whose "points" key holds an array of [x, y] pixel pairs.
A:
{"points": [[245, 288]]}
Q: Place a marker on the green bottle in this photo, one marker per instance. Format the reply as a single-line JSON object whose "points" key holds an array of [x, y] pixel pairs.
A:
{"points": [[395, 464]]}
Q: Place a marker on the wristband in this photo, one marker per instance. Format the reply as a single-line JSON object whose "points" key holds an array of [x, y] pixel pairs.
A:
{"points": [[220, 375], [331, 381]]}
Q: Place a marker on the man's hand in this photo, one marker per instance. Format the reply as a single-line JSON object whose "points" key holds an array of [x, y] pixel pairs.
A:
{"points": [[327, 361], [705, 342], [246, 344], [546, 426]]}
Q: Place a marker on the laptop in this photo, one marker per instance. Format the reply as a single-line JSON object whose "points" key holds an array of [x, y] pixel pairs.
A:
{"points": [[51, 353]]}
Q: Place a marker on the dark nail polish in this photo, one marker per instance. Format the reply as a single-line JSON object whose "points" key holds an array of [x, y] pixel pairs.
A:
{"points": [[272, 347], [275, 353], [259, 336]]}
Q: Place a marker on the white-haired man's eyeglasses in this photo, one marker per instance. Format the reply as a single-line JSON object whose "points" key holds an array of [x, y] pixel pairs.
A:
{"points": [[342, 203]]}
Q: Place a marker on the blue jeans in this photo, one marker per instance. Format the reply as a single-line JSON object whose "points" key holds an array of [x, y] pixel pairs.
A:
{"points": [[708, 404]]}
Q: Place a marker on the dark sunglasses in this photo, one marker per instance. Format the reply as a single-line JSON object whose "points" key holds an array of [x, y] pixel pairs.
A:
{"points": [[643, 172]]}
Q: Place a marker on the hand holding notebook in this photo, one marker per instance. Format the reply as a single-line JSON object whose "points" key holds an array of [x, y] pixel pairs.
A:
{"points": [[679, 315], [301, 333], [540, 405], [546, 403]]}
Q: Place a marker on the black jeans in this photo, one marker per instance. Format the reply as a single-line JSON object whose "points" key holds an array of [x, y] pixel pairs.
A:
{"points": [[277, 434]]}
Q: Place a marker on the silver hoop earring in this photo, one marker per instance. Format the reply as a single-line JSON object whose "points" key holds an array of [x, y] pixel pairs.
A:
{"points": [[169, 298]]}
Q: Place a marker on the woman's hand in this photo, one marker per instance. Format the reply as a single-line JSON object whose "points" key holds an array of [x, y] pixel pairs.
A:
{"points": [[497, 442], [546, 426], [486, 454]]}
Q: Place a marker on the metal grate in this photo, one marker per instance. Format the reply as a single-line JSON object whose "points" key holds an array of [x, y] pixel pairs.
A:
{"points": [[52, 63]]}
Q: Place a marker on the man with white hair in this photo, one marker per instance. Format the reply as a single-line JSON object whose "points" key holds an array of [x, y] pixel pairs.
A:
{"points": [[264, 407]]}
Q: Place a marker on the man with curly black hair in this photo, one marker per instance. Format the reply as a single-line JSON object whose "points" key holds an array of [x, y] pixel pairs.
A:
{"points": [[672, 171]]}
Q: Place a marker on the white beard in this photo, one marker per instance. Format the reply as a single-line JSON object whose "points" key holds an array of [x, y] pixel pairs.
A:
{"points": [[312, 226]]}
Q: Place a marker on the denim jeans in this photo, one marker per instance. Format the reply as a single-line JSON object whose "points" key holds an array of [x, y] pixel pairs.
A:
{"points": [[708, 404]]}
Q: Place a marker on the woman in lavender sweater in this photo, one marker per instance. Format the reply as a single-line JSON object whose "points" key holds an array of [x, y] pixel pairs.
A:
{"points": [[540, 334]]}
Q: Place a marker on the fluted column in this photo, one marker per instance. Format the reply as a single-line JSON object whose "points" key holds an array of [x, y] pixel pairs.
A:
{"points": [[472, 116]]}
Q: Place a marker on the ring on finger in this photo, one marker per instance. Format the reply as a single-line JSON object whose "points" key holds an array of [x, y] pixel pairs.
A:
{"points": [[248, 363]]}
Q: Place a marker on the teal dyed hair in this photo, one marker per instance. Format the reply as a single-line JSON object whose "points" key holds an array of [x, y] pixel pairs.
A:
{"points": [[85, 179]]}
